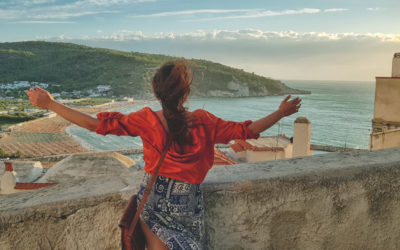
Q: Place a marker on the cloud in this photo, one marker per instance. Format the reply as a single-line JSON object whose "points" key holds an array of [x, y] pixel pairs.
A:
{"points": [[245, 13], [27, 3], [239, 13], [53, 9], [281, 55], [373, 9], [113, 2], [10, 14], [63, 15], [43, 22], [335, 10], [194, 12], [252, 34]]}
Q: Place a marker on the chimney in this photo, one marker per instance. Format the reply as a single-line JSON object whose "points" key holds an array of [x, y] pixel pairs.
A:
{"points": [[8, 166], [396, 65], [301, 137], [7, 182]]}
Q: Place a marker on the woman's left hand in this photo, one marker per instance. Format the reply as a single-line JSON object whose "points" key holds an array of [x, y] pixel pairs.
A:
{"points": [[39, 97], [289, 107]]}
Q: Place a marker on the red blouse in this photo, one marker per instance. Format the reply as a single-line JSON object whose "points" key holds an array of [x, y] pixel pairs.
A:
{"points": [[191, 166]]}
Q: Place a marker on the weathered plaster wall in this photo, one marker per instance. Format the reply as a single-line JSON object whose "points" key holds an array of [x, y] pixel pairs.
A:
{"points": [[347, 200], [387, 106], [383, 140], [257, 156]]}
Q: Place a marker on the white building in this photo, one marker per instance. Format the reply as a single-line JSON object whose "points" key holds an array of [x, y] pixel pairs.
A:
{"points": [[386, 122], [270, 148], [10, 180], [128, 99], [103, 88], [262, 149], [32, 110]]}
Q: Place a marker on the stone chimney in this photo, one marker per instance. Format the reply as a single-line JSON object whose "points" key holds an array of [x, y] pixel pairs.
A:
{"points": [[396, 65], [7, 182], [301, 137]]}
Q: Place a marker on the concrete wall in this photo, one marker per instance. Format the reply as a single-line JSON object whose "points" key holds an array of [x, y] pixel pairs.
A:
{"points": [[387, 105], [347, 200], [386, 114], [257, 156], [289, 151], [384, 140], [396, 65], [237, 156]]}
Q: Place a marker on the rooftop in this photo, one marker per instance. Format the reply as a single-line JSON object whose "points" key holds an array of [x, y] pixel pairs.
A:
{"points": [[32, 186], [268, 143], [221, 159]]}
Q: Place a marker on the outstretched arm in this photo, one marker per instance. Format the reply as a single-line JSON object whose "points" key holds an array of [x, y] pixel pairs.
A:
{"points": [[42, 99], [285, 109]]}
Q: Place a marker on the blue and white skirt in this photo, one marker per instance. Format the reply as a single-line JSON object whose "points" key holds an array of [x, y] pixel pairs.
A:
{"points": [[174, 212]]}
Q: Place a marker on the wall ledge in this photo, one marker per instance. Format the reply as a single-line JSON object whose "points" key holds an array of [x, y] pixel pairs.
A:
{"points": [[336, 200]]}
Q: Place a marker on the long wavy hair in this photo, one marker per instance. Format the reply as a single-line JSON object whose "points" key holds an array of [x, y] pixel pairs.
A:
{"points": [[172, 86]]}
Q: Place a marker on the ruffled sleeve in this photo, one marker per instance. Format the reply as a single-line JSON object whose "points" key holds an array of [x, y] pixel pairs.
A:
{"points": [[120, 124], [225, 131]]}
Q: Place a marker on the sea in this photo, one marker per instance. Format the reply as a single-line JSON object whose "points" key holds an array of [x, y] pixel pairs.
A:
{"points": [[340, 113]]}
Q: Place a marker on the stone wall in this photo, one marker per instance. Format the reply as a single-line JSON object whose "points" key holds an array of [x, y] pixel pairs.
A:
{"points": [[347, 200]]}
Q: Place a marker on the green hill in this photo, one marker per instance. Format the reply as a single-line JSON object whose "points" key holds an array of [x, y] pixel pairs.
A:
{"points": [[68, 67]]}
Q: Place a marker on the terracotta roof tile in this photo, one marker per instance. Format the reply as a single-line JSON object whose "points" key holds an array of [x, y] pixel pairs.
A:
{"points": [[32, 186], [268, 149], [241, 145], [285, 136], [221, 159], [244, 144], [237, 147]]}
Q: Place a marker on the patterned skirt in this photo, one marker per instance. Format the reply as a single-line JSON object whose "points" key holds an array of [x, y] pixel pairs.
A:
{"points": [[174, 212]]}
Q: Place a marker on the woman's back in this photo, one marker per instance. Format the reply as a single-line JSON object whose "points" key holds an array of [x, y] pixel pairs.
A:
{"points": [[189, 162]]}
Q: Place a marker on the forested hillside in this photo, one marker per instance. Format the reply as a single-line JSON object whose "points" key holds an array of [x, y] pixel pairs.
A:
{"points": [[68, 67]]}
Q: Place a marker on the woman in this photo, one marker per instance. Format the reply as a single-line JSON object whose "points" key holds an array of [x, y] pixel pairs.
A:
{"points": [[173, 214]]}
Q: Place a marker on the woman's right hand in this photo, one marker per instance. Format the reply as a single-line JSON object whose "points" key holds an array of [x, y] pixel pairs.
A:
{"points": [[43, 99], [39, 97], [289, 107]]}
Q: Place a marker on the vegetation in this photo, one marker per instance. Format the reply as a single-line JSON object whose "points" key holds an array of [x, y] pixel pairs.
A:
{"points": [[6, 120], [12, 119], [68, 67], [18, 105], [93, 101]]}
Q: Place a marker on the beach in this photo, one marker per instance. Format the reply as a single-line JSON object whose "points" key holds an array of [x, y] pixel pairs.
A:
{"points": [[47, 136]]}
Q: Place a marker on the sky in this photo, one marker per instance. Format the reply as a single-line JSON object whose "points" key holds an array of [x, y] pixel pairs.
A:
{"points": [[286, 39]]}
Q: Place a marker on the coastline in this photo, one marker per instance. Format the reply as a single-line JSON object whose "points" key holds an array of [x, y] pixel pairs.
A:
{"points": [[49, 136]]}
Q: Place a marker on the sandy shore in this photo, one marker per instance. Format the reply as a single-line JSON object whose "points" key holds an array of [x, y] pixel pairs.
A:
{"points": [[47, 136]]}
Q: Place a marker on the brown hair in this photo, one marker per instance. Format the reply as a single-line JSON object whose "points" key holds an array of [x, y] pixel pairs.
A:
{"points": [[172, 86]]}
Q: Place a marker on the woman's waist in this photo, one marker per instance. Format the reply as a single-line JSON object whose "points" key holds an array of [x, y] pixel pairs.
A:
{"points": [[166, 180], [191, 173], [172, 196]]}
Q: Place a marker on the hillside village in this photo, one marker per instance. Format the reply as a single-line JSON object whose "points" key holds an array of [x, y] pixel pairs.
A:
{"points": [[16, 89]]}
